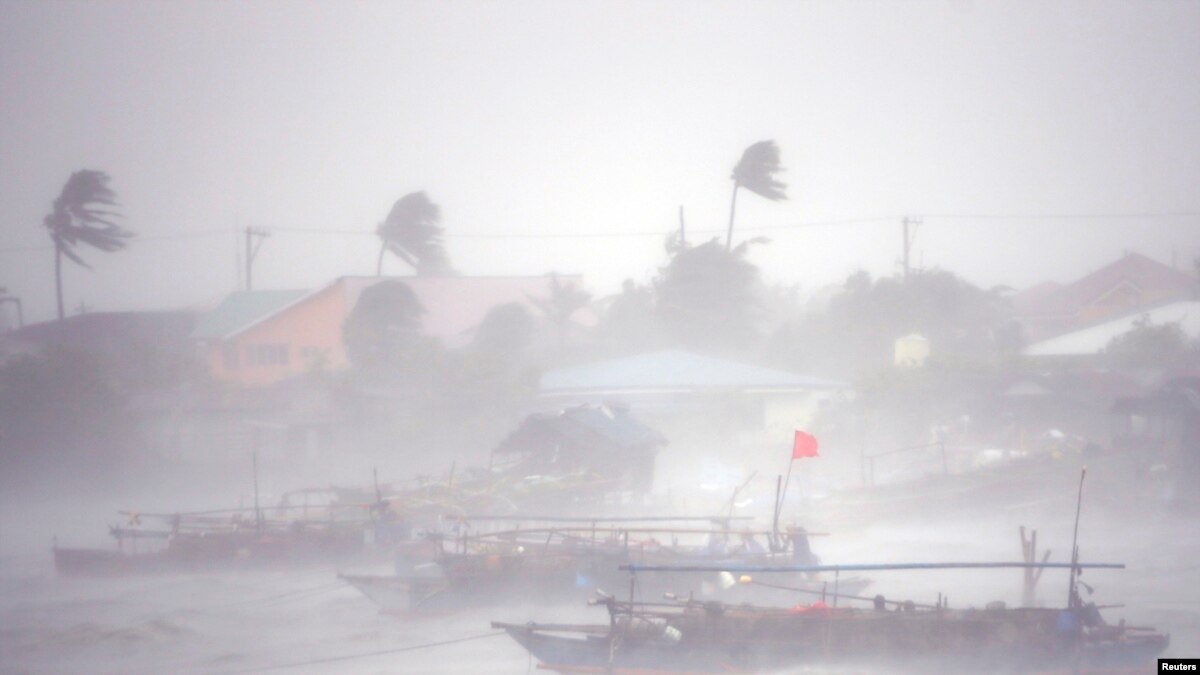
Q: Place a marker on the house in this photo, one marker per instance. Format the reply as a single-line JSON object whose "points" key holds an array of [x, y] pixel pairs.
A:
{"points": [[602, 440], [262, 337], [701, 403], [138, 350], [674, 374], [1163, 426], [911, 351], [1132, 283], [1092, 341]]}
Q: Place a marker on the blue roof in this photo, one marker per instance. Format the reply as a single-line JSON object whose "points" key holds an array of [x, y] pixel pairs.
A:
{"points": [[240, 310], [675, 370]]}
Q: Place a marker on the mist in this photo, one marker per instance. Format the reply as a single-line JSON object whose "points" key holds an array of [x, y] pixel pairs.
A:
{"points": [[370, 337]]}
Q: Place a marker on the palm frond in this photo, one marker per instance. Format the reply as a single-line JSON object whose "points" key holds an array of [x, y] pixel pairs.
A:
{"points": [[412, 231], [744, 247], [79, 216], [563, 300], [103, 239], [757, 168]]}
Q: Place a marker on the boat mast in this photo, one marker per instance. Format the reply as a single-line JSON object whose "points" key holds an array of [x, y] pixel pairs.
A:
{"points": [[258, 521], [1073, 586], [775, 541]]}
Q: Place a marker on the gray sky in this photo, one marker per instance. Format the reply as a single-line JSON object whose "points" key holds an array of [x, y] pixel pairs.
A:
{"points": [[578, 117]]}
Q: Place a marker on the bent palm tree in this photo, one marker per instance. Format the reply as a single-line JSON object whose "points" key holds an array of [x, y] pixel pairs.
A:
{"points": [[756, 172], [80, 215], [411, 231], [563, 301]]}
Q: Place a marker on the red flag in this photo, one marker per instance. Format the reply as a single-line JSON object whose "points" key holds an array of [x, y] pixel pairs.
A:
{"points": [[805, 445]]}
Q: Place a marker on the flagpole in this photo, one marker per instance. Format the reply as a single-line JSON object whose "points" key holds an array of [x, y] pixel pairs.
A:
{"points": [[809, 449], [783, 495], [775, 539]]}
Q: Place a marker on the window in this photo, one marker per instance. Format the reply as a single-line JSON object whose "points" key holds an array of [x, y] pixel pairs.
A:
{"points": [[267, 355]]}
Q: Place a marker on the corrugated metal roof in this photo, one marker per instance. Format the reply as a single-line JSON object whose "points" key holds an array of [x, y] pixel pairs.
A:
{"points": [[241, 309], [584, 425], [615, 426], [674, 370], [1093, 340]]}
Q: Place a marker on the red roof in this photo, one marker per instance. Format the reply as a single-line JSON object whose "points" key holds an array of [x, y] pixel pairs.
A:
{"points": [[1149, 277]]}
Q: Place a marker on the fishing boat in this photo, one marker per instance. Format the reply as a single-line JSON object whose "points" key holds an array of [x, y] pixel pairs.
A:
{"points": [[301, 528], [690, 636], [575, 556]]}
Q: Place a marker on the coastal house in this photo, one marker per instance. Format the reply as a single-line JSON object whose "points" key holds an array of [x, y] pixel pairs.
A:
{"points": [[1093, 340], [138, 350], [1132, 283], [262, 337], [701, 403]]}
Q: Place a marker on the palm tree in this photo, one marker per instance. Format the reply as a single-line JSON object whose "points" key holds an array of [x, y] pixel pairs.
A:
{"points": [[563, 301], [80, 214], [411, 231], [756, 172], [707, 296]]}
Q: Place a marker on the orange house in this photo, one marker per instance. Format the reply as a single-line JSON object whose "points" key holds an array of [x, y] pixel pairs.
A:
{"points": [[262, 337]]}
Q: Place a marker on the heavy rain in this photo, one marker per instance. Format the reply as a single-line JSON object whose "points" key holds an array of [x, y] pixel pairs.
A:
{"points": [[599, 337]]}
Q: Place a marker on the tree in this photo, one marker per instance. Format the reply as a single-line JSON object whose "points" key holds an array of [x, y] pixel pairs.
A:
{"points": [[564, 300], [756, 172], [80, 214], [1150, 345], [505, 330], [708, 295], [629, 322], [411, 231], [384, 322], [857, 329]]}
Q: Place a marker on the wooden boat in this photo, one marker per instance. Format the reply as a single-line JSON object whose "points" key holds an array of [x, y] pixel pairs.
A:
{"points": [[709, 637], [290, 532], [569, 563]]}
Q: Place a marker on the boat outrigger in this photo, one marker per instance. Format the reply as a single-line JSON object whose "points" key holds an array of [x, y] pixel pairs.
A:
{"points": [[690, 636], [578, 555], [687, 636], [288, 532]]}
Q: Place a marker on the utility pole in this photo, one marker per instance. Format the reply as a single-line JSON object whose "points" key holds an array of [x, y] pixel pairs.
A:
{"points": [[908, 239], [682, 231], [252, 247]]}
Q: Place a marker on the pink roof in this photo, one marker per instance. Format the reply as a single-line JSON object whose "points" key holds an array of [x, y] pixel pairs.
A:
{"points": [[454, 306], [1136, 270]]}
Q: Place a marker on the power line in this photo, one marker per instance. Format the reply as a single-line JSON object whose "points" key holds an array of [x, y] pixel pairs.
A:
{"points": [[135, 240], [764, 228], [1060, 216], [589, 235], [662, 233]]}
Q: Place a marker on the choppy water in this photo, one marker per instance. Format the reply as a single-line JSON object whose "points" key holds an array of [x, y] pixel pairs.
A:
{"points": [[242, 621]]}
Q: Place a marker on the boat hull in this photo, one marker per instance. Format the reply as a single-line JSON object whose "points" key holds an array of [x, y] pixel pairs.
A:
{"points": [[1016, 641]]}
